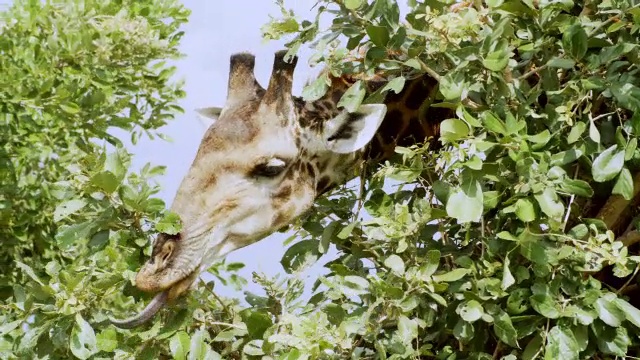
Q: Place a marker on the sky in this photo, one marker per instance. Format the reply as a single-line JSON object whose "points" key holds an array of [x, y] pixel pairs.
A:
{"points": [[215, 31]]}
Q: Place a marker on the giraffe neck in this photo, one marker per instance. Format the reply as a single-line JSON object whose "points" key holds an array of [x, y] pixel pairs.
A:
{"points": [[409, 120]]}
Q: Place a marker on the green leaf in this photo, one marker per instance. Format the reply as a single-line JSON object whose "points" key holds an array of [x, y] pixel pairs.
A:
{"points": [[316, 89], [581, 334], [352, 4], [496, 60], [612, 341], [631, 313], [198, 347], [608, 311], [541, 138], [106, 181], [624, 184], [543, 303], [28, 271], [407, 329], [607, 164], [82, 342], [503, 327], [576, 131], [453, 129], [179, 345], [352, 98], [396, 85], [525, 211], [630, 149], [257, 321], [170, 224], [594, 133], [466, 203], [107, 340], [8, 327], [395, 263], [67, 208], [561, 63], [356, 284], [565, 157], [550, 204], [70, 108], [495, 3], [346, 231], [490, 199], [561, 344], [451, 86], [470, 311], [453, 275], [300, 254], [505, 235], [577, 187], [492, 123], [463, 330], [379, 35], [114, 164], [507, 277], [533, 348], [534, 251], [627, 94], [431, 263], [67, 236], [574, 41]]}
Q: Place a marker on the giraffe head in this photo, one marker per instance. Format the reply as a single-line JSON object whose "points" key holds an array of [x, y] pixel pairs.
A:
{"points": [[260, 165]]}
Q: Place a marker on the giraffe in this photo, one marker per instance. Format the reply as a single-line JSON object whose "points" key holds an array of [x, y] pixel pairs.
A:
{"points": [[265, 159]]}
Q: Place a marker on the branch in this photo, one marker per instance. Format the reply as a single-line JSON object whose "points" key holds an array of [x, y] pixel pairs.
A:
{"points": [[429, 70], [531, 72], [630, 238], [612, 213]]}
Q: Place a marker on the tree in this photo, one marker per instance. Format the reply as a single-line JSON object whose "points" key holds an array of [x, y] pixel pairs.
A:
{"points": [[511, 241]]}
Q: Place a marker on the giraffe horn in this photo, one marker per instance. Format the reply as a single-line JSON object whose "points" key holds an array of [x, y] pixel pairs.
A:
{"points": [[281, 82], [242, 81]]}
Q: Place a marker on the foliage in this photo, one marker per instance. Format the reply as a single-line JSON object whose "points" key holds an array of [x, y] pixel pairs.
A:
{"points": [[495, 245], [73, 220]]}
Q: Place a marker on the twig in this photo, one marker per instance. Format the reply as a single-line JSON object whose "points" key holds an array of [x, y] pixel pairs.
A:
{"points": [[429, 70], [224, 324], [532, 72], [224, 306], [629, 238], [571, 199], [631, 278]]}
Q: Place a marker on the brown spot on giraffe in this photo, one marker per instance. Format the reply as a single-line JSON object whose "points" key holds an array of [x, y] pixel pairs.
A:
{"points": [[268, 156]]}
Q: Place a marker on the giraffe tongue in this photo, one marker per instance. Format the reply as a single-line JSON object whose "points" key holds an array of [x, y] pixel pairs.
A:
{"points": [[156, 303], [145, 315]]}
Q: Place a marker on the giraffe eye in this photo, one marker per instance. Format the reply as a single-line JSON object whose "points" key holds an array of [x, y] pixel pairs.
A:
{"points": [[269, 169]]}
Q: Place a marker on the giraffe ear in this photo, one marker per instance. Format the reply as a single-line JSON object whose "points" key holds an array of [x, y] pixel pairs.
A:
{"points": [[209, 115], [349, 132], [210, 112]]}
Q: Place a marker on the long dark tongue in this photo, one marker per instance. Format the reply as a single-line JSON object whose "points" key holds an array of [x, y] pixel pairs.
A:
{"points": [[145, 315]]}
